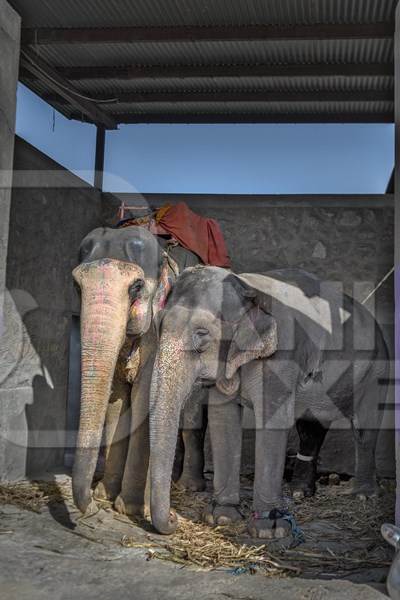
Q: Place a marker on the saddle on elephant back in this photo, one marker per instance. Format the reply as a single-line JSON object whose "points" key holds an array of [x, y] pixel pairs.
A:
{"points": [[200, 235]]}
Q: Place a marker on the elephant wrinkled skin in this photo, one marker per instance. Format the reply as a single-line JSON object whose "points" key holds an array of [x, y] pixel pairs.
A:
{"points": [[124, 277], [284, 343]]}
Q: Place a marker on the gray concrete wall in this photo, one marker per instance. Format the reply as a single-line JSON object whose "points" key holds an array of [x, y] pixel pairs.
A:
{"points": [[10, 24], [51, 211], [347, 238]]}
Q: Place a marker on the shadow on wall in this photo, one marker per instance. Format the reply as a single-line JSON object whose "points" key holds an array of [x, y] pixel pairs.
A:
{"points": [[24, 384], [51, 211]]}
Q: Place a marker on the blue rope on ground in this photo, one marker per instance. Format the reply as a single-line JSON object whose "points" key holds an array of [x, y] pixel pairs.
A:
{"points": [[297, 532]]}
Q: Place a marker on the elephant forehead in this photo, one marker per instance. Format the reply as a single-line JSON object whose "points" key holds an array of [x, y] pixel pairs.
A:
{"points": [[215, 296], [135, 245], [181, 315]]}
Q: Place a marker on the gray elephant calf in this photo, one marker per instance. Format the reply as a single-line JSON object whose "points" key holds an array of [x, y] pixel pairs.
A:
{"points": [[287, 345]]}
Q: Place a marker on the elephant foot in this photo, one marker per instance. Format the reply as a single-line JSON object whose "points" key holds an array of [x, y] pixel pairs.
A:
{"points": [[222, 514], [107, 490], [363, 492], [192, 483], [91, 510], [303, 480], [127, 507], [301, 490], [274, 525]]}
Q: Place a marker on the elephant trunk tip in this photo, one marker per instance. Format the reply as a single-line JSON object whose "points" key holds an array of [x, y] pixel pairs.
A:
{"points": [[166, 526], [82, 496]]}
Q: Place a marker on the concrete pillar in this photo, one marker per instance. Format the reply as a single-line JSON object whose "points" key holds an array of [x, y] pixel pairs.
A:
{"points": [[397, 251], [10, 26]]}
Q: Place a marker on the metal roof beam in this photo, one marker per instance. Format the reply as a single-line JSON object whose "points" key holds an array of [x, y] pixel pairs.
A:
{"points": [[248, 96], [200, 71], [99, 157], [384, 117], [37, 67], [115, 35]]}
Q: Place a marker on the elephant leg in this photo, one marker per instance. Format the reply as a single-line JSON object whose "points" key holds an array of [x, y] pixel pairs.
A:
{"points": [[312, 434], [193, 433], [179, 458], [268, 503], [131, 500], [364, 484], [192, 477], [224, 421], [115, 439], [366, 425]]}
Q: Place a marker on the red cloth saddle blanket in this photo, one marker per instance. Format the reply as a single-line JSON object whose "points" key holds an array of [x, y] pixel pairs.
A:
{"points": [[195, 233]]}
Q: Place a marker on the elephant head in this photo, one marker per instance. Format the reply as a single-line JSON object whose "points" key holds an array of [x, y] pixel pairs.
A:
{"points": [[122, 281], [212, 325]]}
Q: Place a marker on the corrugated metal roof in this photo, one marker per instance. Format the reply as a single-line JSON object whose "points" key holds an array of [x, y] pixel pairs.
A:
{"points": [[113, 13], [108, 88], [211, 53], [213, 108], [175, 13]]}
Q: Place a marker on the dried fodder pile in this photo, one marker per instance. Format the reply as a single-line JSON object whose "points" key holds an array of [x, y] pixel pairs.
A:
{"points": [[342, 537], [196, 544], [335, 504], [342, 533], [33, 495]]}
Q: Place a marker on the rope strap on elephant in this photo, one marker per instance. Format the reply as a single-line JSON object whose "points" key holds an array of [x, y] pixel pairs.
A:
{"points": [[285, 515]]}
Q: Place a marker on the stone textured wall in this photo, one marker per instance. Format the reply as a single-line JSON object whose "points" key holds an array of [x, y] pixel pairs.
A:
{"points": [[47, 223], [346, 239]]}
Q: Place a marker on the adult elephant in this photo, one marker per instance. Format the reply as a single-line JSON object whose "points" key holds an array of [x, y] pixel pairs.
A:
{"points": [[124, 276], [287, 345]]}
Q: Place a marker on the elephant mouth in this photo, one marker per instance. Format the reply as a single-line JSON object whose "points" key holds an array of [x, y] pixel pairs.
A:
{"points": [[205, 382]]}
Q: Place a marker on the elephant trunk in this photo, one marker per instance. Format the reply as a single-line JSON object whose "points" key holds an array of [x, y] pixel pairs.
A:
{"points": [[104, 314], [172, 381]]}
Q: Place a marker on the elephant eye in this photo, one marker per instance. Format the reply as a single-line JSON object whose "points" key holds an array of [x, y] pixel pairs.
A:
{"points": [[202, 332], [136, 288], [201, 339]]}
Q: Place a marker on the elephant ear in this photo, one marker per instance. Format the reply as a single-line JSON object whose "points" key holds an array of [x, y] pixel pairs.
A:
{"points": [[169, 273], [256, 336]]}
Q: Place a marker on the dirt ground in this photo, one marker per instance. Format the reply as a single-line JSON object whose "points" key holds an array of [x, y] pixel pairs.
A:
{"points": [[48, 550]]}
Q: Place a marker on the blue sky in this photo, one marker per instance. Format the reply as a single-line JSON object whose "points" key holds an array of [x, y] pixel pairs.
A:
{"points": [[252, 159]]}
